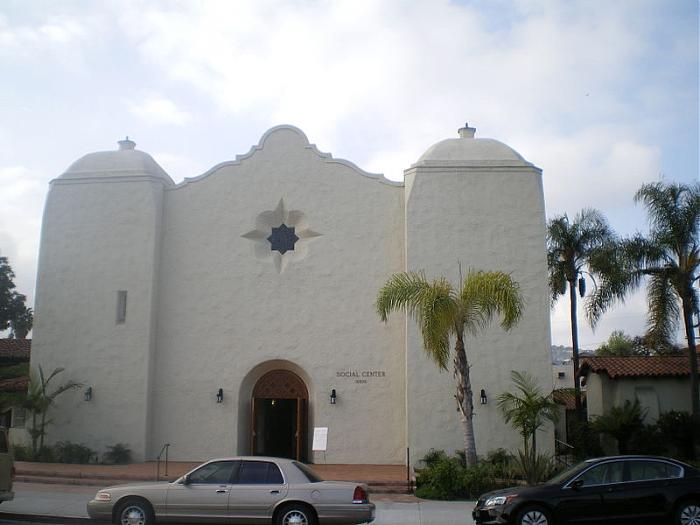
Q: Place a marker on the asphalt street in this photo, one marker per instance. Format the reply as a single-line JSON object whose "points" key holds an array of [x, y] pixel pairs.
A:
{"points": [[48, 503]]}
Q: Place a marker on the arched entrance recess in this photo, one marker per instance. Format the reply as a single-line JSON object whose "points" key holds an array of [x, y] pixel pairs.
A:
{"points": [[279, 415]]}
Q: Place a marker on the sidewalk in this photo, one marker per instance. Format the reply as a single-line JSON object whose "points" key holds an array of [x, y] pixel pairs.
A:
{"points": [[51, 502]]}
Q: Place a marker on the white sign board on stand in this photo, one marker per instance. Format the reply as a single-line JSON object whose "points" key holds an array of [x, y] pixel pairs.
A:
{"points": [[320, 438]]}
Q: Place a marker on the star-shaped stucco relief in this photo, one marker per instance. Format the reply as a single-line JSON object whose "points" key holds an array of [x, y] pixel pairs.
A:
{"points": [[282, 235]]}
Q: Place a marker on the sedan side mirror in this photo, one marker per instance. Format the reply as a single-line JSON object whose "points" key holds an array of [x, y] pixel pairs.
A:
{"points": [[576, 485]]}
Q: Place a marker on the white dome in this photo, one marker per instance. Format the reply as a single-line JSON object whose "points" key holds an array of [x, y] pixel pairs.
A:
{"points": [[467, 149], [124, 162]]}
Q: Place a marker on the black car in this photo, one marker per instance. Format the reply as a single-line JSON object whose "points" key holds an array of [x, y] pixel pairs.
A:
{"points": [[639, 489]]}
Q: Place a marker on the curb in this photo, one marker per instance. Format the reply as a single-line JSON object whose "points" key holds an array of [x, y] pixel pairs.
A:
{"points": [[47, 518]]}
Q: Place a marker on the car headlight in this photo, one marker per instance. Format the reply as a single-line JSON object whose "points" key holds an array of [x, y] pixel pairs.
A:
{"points": [[103, 496], [495, 501]]}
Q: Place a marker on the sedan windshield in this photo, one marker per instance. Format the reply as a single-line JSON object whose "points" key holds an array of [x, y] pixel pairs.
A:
{"points": [[568, 473]]}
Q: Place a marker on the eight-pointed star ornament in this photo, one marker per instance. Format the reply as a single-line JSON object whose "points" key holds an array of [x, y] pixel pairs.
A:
{"points": [[281, 234], [282, 238]]}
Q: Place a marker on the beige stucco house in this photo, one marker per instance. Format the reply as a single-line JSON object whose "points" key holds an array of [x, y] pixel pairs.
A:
{"points": [[659, 383], [233, 312]]}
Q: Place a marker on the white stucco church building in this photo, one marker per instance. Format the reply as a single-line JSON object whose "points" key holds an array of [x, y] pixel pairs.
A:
{"points": [[233, 313]]}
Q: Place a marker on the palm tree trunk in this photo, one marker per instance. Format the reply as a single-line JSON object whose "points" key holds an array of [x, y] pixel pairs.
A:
{"points": [[574, 343], [693, 358], [534, 444], [43, 430], [465, 400], [34, 435]]}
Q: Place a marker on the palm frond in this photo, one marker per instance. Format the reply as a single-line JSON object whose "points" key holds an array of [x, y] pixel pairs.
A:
{"points": [[436, 319], [431, 304], [664, 309], [617, 275], [485, 294], [401, 292]]}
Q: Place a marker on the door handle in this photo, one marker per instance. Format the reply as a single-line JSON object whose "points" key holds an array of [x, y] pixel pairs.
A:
{"points": [[274, 492], [221, 491]]}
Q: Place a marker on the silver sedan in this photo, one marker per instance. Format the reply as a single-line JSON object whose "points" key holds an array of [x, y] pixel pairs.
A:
{"points": [[243, 490]]}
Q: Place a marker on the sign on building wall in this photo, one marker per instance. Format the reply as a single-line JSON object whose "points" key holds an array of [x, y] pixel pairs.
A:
{"points": [[320, 439]]}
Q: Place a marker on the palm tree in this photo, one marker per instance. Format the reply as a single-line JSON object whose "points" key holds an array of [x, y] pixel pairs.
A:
{"points": [[443, 311], [669, 257], [528, 409], [39, 400], [583, 246]]}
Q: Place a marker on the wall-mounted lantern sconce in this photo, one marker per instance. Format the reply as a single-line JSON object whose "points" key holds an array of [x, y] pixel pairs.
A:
{"points": [[484, 400], [220, 395], [334, 396], [87, 395]]}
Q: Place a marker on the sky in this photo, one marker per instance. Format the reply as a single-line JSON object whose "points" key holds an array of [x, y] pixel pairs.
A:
{"points": [[603, 96]]}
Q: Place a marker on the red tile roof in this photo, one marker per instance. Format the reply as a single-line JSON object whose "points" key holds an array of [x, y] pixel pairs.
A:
{"points": [[15, 384], [566, 397], [15, 349], [636, 366]]}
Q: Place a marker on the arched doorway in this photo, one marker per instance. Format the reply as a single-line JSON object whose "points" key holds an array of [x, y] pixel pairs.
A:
{"points": [[279, 417]]}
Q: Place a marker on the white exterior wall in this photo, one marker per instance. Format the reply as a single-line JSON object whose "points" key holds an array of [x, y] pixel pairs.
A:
{"points": [[98, 237], [488, 218], [210, 307], [563, 382], [225, 308], [655, 394]]}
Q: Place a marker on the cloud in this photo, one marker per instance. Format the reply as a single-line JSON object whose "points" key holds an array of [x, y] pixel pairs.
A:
{"points": [[401, 76], [33, 41], [21, 201], [159, 110], [179, 166], [630, 316], [598, 98]]}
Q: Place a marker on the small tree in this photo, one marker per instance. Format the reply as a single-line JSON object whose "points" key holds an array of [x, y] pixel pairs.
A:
{"points": [[527, 411], [444, 312], [38, 402], [618, 344]]}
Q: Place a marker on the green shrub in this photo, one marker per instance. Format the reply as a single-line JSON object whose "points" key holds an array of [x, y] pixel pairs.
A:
{"points": [[67, 452], [502, 461], [676, 431], [583, 439], [118, 454], [427, 492], [486, 477], [22, 453], [45, 455], [648, 440], [446, 478], [434, 456], [535, 468]]}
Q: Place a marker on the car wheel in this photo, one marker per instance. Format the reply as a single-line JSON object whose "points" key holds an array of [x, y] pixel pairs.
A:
{"points": [[135, 512], [295, 515], [534, 516], [688, 513]]}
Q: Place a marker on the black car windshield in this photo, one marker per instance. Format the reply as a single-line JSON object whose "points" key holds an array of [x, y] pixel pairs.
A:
{"points": [[568, 473], [310, 474]]}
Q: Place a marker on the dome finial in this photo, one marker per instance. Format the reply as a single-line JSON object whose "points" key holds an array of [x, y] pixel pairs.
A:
{"points": [[466, 132], [126, 144]]}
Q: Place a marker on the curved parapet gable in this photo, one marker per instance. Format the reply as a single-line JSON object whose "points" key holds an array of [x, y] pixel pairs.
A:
{"points": [[327, 157]]}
